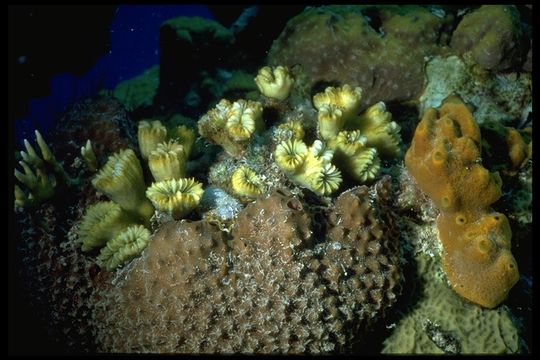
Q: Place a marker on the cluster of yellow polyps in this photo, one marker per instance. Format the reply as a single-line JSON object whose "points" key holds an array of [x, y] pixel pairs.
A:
{"points": [[232, 125], [354, 142]]}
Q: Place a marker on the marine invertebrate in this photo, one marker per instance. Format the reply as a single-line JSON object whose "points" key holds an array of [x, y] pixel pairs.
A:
{"points": [[345, 98], [102, 222], [243, 119], [442, 322], [231, 125], [518, 151], [308, 167], [246, 183], [185, 136], [40, 182], [121, 179], [150, 134], [444, 158], [177, 197], [274, 82], [351, 152], [340, 44], [189, 289], [87, 152], [124, 247], [168, 161], [380, 131], [492, 34]]}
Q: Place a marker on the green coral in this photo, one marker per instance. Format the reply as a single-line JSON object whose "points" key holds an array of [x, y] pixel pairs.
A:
{"points": [[124, 247], [102, 222], [442, 322], [39, 175], [139, 91]]}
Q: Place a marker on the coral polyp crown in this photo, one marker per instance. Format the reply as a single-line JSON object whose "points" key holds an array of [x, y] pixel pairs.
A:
{"points": [[328, 180]]}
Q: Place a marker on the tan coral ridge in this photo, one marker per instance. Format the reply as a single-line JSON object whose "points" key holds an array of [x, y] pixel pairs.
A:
{"points": [[273, 287], [445, 160]]}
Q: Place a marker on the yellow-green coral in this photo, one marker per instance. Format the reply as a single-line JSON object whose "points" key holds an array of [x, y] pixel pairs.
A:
{"points": [[442, 322], [231, 125], [351, 152], [380, 131], [124, 247], [121, 179], [346, 98], [89, 156], [295, 128], [177, 197], [168, 161], [275, 82], [101, 223], [40, 185], [331, 121], [246, 183], [308, 167], [243, 119], [150, 134], [184, 136]]}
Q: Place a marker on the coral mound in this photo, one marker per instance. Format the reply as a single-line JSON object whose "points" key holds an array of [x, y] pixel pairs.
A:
{"points": [[273, 287], [445, 160]]}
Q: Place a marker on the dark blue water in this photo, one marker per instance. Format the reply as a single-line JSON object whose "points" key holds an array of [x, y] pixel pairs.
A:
{"points": [[134, 47]]}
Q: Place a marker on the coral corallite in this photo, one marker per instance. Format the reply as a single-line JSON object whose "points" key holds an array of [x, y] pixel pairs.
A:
{"points": [[272, 288], [177, 197], [444, 158]]}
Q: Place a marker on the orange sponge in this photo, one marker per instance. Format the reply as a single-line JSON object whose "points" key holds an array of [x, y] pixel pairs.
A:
{"points": [[445, 160]]}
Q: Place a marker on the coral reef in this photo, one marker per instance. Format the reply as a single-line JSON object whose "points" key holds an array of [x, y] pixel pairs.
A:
{"points": [[338, 44], [500, 98], [274, 82], [232, 125], [138, 92], [124, 247], [492, 35], [121, 179], [178, 197], [444, 158], [441, 322], [193, 290], [355, 150]]}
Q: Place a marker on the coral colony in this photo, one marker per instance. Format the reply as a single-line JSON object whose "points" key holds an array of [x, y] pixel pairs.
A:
{"points": [[355, 181]]}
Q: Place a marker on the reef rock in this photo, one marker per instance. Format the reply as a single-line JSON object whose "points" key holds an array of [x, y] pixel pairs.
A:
{"points": [[270, 287], [380, 49]]}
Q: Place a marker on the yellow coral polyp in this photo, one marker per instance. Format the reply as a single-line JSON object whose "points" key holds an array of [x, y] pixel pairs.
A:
{"points": [[231, 125], [275, 82], [102, 222], [330, 121], [364, 166], [327, 180], [243, 119], [150, 134], [168, 161], [121, 180], [295, 127], [125, 246], [290, 154], [89, 157], [246, 183], [346, 98], [381, 132], [184, 136], [178, 197]]}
